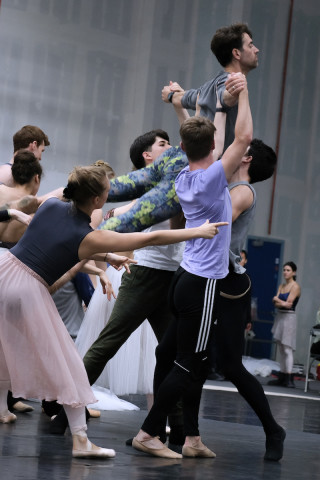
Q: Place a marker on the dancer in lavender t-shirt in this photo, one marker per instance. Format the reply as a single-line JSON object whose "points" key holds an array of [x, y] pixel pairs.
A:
{"points": [[182, 363]]}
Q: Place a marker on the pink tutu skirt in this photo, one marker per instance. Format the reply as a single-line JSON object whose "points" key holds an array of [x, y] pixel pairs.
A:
{"points": [[38, 358]]}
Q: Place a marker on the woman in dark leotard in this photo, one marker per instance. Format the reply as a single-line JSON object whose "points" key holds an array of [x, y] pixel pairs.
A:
{"points": [[38, 358], [285, 323]]}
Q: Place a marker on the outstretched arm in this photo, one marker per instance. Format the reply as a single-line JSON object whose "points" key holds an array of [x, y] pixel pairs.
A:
{"points": [[157, 204], [100, 241]]}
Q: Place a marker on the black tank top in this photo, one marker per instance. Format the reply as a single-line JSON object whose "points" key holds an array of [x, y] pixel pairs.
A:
{"points": [[51, 242]]}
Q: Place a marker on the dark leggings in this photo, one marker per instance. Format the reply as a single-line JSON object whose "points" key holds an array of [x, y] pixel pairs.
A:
{"points": [[231, 322], [182, 362]]}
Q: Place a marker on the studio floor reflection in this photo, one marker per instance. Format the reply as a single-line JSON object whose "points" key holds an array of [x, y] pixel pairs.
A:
{"points": [[227, 424]]}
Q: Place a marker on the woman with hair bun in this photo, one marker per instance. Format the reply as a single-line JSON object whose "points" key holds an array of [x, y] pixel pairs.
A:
{"points": [[285, 324], [38, 358]]}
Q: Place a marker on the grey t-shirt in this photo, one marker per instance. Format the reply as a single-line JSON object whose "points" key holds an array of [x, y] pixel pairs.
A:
{"points": [[208, 94]]}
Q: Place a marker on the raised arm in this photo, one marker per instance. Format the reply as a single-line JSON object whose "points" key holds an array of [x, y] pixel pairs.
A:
{"points": [[173, 93], [243, 129]]}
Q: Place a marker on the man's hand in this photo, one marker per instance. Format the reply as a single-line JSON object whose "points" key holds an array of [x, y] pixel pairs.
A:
{"points": [[172, 87], [235, 83]]}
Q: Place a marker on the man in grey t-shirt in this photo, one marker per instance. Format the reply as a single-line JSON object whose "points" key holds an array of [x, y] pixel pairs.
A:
{"points": [[234, 50]]}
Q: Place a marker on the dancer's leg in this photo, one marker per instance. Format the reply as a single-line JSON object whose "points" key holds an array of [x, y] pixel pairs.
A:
{"points": [[287, 358], [140, 293], [193, 296], [82, 447], [230, 340]]}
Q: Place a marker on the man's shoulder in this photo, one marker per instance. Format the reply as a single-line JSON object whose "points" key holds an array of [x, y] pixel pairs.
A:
{"points": [[216, 80]]}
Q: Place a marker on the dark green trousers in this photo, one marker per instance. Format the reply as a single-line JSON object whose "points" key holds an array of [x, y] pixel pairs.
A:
{"points": [[143, 294]]}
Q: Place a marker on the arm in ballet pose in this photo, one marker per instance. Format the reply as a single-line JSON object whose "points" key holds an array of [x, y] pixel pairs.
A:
{"points": [[154, 189]]}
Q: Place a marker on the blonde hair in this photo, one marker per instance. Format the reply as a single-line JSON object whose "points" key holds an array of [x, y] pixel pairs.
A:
{"points": [[107, 167]]}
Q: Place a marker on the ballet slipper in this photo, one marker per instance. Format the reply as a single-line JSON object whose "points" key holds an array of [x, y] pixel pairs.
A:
{"points": [[197, 452], [83, 448], [7, 417], [163, 451], [22, 407], [94, 413]]}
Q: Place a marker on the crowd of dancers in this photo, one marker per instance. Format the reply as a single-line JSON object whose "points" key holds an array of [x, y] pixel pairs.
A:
{"points": [[175, 282]]}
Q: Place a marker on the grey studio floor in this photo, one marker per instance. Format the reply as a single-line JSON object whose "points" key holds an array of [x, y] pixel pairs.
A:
{"points": [[228, 426]]}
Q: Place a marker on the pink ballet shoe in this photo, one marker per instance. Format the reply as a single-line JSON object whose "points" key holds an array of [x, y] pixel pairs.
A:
{"points": [[163, 452], [22, 407], [94, 413], [197, 452], [83, 448], [8, 417]]}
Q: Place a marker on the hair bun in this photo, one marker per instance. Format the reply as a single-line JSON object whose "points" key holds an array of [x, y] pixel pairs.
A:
{"points": [[69, 191]]}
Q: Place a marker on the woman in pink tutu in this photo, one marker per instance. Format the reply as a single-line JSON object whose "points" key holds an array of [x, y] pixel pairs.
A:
{"points": [[38, 358]]}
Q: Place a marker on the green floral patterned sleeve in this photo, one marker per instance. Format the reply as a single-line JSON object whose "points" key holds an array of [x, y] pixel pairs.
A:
{"points": [[154, 188]]}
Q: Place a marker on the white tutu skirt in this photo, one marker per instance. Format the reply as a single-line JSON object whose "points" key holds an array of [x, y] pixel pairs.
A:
{"points": [[131, 370], [38, 358]]}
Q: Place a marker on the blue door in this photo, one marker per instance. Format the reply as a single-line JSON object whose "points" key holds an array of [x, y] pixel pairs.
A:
{"points": [[264, 267]]}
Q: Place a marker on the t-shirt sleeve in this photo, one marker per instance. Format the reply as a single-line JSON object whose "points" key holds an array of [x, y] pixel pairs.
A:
{"points": [[189, 99], [221, 88], [215, 177]]}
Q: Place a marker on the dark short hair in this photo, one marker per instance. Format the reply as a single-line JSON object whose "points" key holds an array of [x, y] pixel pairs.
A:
{"points": [[226, 39], [25, 166], [263, 163], [27, 135], [197, 136], [143, 143]]}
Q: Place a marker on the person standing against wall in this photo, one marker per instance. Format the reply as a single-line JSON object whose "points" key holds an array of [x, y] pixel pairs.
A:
{"points": [[285, 324]]}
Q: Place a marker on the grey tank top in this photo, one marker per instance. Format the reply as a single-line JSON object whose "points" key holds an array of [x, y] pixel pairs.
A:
{"points": [[240, 228]]}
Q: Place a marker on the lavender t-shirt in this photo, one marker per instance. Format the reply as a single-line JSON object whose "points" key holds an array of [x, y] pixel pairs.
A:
{"points": [[203, 195]]}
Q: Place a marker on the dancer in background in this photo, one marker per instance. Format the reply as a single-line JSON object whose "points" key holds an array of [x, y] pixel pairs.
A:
{"points": [[285, 324]]}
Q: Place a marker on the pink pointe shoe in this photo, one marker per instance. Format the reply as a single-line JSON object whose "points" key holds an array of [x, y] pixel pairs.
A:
{"points": [[83, 448], [7, 417]]}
